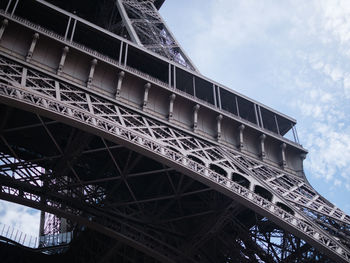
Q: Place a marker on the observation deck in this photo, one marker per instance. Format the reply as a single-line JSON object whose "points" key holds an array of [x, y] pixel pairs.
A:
{"points": [[202, 105]]}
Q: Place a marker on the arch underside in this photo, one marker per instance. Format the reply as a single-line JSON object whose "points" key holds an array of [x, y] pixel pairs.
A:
{"points": [[128, 178]]}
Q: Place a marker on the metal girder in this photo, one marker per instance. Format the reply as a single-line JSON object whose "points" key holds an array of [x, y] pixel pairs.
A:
{"points": [[147, 28], [157, 140]]}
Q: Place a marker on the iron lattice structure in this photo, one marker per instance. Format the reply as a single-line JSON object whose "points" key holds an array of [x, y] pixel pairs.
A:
{"points": [[99, 145]]}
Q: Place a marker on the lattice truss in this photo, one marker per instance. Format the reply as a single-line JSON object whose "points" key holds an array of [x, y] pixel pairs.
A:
{"points": [[309, 216], [152, 31]]}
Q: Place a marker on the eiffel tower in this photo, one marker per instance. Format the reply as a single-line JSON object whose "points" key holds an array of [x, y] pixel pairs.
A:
{"points": [[132, 155]]}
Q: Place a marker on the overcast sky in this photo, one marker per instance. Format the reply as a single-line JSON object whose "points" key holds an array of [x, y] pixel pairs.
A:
{"points": [[293, 56]]}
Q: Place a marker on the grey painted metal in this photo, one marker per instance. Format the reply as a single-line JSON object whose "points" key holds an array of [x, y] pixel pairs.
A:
{"points": [[127, 23], [126, 113], [149, 27], [84, 48], [139, 132], [145, 76]]}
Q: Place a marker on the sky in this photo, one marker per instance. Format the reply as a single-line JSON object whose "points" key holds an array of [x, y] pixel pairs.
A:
{"points": [[293, 56]]}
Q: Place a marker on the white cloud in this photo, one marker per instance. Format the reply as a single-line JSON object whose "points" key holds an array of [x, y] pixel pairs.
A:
{"points": [[293, 56], [20, 217]]}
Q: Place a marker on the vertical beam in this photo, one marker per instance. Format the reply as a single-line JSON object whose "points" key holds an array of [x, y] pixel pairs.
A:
{"points": [[92, 72], [256, 115], [262, 146], [145, 95], [237, 107], [8, 6], [126, 54], [63, 60], [4, 24], [260, 115], [174, 68], [121, 52], [241, 137], [73, 30], [121, 76], [14, 8], [195, 116], [67, 28], [169, 75], [218, 127], [194, 86], [32, 47], [219, 97], [283, 155], [171, 106], [214, 95], [277, 126]]}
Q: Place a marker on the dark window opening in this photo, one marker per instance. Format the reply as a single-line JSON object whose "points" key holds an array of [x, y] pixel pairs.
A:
{"points": [[218, 169], [196, 159], [172, 75], [269, 120], [184, 81], [204, 90], [284, 124], [102, 13], [239, 179], [43, 16], [285, 208], [263, 192], [146, 63], [228, 101], [174, 149], [246, 110], [98, 41], [3, 4]]}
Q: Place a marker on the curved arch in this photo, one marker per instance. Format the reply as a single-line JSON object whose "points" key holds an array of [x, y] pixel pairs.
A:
{"points": [[239, 179], [90, 219], [97, 124], [263, 192]]}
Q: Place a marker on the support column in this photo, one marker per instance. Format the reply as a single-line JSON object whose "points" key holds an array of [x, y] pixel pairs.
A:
{"points": [[32, 47], [63, 60], [262, 146], [145, 96], [301, 167], [218, 127], [121, 76], [92, 72], [171, 106], [4, 24], [195, 116], [283, 155], [240, 137]]}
